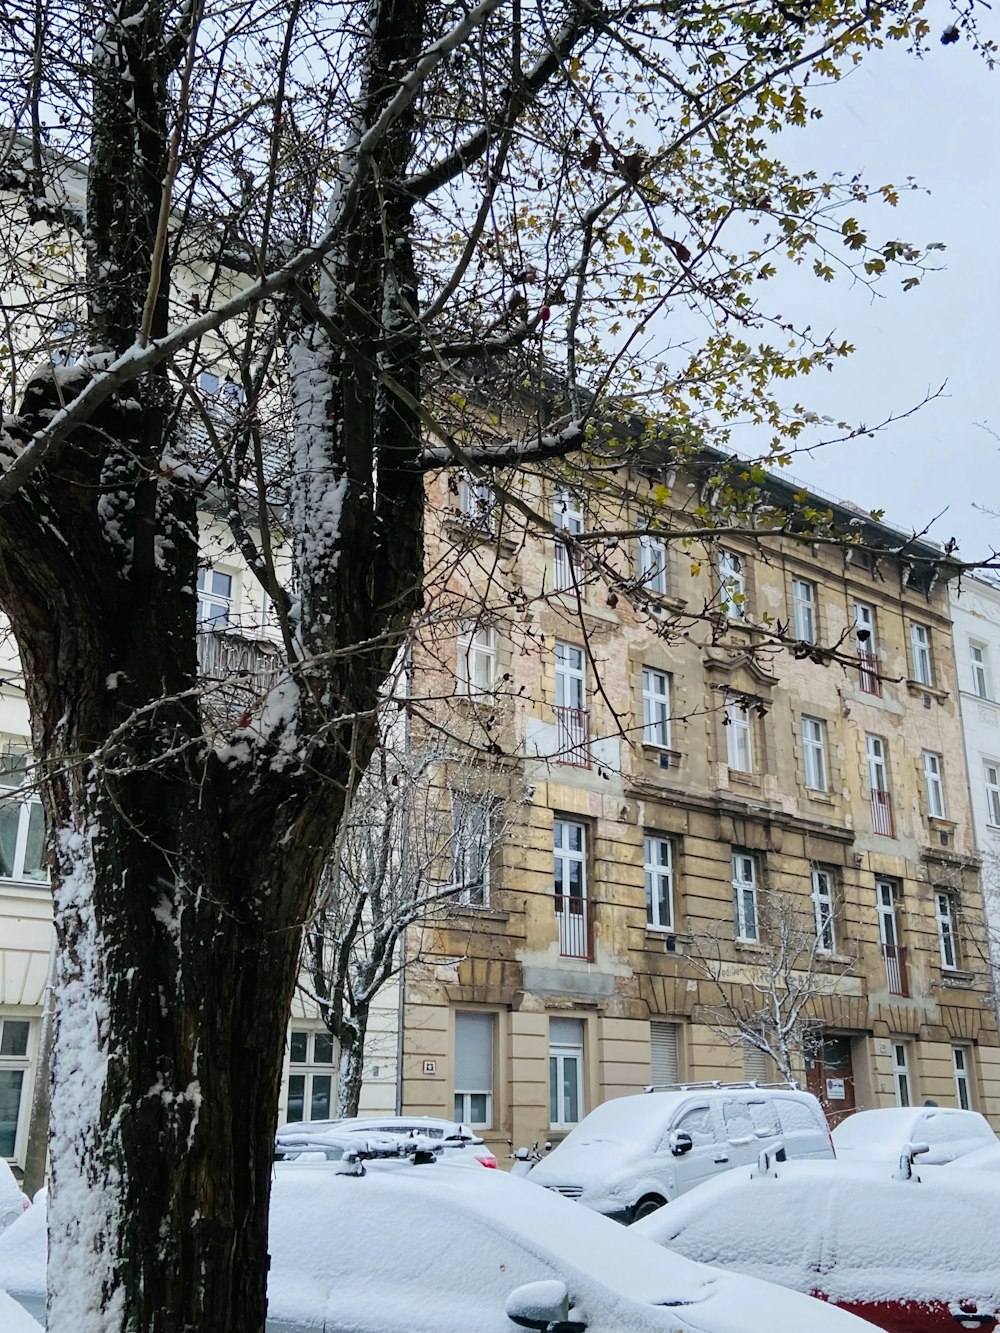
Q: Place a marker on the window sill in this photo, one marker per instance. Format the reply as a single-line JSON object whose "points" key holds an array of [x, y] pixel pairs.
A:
{"points": [[738, 776], [655, 754], [8, 882], [751, 946], [917, 687], [939, 822], [821, 797], [956, 979], [480, 913]]}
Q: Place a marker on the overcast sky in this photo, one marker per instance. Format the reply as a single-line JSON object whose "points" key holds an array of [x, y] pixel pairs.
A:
{"points": [[937, 120]]}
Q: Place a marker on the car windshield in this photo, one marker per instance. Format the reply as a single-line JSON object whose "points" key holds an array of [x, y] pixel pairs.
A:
{"points": [[637, 1122], [875, 1132]]}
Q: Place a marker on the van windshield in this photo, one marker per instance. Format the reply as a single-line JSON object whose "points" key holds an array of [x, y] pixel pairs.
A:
{"points": [[638, 1122]]}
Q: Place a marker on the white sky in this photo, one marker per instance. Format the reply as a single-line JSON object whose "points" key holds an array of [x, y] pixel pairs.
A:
{"points": [[937, 120]]}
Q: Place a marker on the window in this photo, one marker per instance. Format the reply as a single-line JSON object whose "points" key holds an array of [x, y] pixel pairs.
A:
{"points": [[15, 1036], [477, 659], [470, 849], [310, 1075], [732, 585], [745, 896], [823, 908], [474, 1069], [962, 1062], [567, 515], [944, 910], [864, 631], [980, 675], [814, 753], [208, 383], [920, 649], [571, 705], [653, 564], [658, 865], [804, 610], [739, 739], [933, 780], [901, 1073], [215, 598], [664, 1061], [569, 876], [22, 824], [755, 1064], [878, 781], [992, 775], [888, 930], [655, 708], [476, 501], [736, 1118], [565, 1071]]}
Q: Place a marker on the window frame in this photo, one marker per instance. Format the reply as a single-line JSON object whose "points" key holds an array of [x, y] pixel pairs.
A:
{"points": [[866, 641], [824, 900], [23, 1065], [309, 1070], [209, 597], [901, 1077], [877, 760], [804, 620], [559, 1053], [947, 929], [568, 517], [980, 669], [476, 645], [656, 701], [732, 577], [653, 564], [656, 874], [476, 501], [920, 652], [741, 887], [814, 754], [471, 890], [964, 1082], [992, 791], [933, 765], [466, 1094], [30, 821], [739, 736]]}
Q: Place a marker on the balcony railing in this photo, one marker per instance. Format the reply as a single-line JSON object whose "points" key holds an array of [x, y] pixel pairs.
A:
{"points": [[573, 736], [882, 813], [868, 672], [575, 917], [245, 669], [895, 968]]}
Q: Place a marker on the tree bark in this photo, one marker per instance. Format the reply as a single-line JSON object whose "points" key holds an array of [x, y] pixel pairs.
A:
{"points": [[352, 1062]]}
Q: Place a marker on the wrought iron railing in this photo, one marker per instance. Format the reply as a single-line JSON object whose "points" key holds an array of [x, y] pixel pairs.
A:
{"points": [[882, 813], [895, 968], [575, 917], [868, 672], [573, 736]]}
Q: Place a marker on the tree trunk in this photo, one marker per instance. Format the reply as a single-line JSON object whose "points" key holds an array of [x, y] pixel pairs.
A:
{"points": [[352, 1063]]}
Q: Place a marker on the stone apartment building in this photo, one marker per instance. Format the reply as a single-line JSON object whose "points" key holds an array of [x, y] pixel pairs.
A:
{"points": [[673, 787]]}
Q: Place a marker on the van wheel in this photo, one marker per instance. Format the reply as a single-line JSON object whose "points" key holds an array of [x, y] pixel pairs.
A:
{"points": [[646, 1206]]}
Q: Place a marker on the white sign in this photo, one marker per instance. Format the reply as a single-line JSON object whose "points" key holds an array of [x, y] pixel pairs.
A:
{"points": [[430, 1067], [835, 1090]]}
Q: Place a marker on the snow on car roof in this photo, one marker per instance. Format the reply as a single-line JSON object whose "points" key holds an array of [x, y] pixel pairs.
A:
{"points": [[884, 1131], [22, 1253], [15, 1320], [848, 1228]]}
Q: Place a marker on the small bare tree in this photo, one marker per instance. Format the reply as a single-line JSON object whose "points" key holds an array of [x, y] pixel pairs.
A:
{"points": [[415, 845], [770, 1008]]}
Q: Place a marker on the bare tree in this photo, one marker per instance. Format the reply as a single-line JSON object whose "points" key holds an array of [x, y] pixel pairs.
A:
{"points": [[767, 1003], [374, 225], [414, 846]]}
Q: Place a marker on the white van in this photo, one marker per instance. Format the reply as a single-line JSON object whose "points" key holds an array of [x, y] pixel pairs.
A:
{"points": [[634, 1154]]}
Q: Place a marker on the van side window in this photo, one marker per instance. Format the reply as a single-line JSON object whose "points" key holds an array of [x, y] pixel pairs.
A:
{"points": [[738, 1123], [698, 1123], [797, 1116], [765, 1119]]}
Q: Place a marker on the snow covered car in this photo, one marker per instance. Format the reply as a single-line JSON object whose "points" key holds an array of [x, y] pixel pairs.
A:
{"points": [[983, 1159], [915, 1255], [883, 1135], [12, 1201], [435, 1250], [631, 1155], [454, 1140]]}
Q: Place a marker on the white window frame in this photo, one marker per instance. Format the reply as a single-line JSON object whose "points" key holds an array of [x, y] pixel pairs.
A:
{"points": [[920, 649], [991, 775], [961, 1061], [888, 927], [209, 597], [739, 737], [804, 610], [309, 1070], [567, 516], [463, 1096], [878, 779], [656, 687], [866, 640], [732, 584], [476, 501], [944, 915], [814, 753], [934, 783], [824, 909], [28, 813], [564, 855], [471, 841], [901, 1079], [658, 872], [744, 874], [653, 564], [476, 667], [979, 666], [559, 1054], [23, 1065]]}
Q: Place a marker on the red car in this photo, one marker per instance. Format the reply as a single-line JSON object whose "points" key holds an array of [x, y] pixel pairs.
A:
{"points": [[912, 1255]]}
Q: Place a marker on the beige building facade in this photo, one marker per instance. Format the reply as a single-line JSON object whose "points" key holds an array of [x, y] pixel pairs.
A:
{"points": [[683, 777]]}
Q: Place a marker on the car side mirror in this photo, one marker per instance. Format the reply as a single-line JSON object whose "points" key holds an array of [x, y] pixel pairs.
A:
{"points": [[543, 1306], [680, 1142]]}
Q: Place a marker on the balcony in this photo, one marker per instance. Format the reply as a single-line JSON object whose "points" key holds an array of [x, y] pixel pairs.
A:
{"points": [[575, 917], [240, 670], [868, 673], [573, 736], [895, 968], [882, 813]]}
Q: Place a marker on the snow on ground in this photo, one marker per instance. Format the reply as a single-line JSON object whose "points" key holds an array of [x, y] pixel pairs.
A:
{"points": [[13, 1319]]}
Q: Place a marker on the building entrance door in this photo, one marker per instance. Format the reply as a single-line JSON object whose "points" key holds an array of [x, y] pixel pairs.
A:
{"points": [[830, 1077]]}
